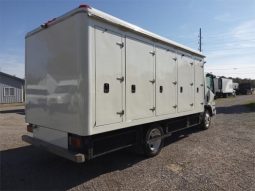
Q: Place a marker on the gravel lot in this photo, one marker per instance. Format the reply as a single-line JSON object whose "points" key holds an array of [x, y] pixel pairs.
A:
{"points": [[221, 158]]}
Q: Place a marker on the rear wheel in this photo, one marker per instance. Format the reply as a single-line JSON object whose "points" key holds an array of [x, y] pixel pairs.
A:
{"points": [[206, 120], [153, 141]]}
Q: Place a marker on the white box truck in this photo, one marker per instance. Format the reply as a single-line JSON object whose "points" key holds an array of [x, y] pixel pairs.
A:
{"points": [[223, 87], [110, 85]]}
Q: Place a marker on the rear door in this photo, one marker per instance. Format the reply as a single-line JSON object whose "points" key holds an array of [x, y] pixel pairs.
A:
{"points": [[140, 82], [166, 82], [109, 47]]}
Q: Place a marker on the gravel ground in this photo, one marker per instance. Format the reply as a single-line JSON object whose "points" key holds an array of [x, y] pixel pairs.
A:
{"points": [[221, 158]]}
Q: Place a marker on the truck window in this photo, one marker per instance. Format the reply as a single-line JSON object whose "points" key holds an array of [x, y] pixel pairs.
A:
{"points": [[209, 83]]}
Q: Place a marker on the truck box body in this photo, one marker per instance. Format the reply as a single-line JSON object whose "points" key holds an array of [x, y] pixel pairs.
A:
{"points": [[98, 73], [223, 86]]}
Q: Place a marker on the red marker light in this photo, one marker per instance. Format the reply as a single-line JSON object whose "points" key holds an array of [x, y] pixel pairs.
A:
{"points": [[85, 6]]}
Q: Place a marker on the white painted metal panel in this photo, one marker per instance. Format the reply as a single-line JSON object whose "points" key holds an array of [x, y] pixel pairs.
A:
{"points": [[227, 85], [56, 81], [166, 81], [109, 77], [139, 79], [199, 85], [185, 83], [52, 136]]}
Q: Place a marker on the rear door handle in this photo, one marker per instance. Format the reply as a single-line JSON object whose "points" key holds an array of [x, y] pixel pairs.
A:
{"points": [[120, 113]]}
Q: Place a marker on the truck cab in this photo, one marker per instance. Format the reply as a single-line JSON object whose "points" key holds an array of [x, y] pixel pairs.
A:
{"points": [[210, 93]]}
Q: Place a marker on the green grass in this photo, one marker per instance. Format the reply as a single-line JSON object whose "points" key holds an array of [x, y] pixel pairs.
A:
{"points": [[251, 105], [4, 105]]}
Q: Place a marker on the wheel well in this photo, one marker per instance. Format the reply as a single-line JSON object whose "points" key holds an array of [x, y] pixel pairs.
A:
{"points": [[209, 109]]}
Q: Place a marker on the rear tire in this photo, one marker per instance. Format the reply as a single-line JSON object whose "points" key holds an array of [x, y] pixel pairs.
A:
{"points": [[153, 141], [206, 120]]}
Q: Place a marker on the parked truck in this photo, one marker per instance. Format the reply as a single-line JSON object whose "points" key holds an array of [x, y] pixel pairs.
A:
{"points": [[223, 87], [245, 89], [130, 87]]}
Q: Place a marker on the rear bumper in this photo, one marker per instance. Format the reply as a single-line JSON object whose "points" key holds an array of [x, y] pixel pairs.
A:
{"points": [[76, 157]]}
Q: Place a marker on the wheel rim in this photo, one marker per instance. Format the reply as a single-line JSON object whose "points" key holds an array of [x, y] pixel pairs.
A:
{"points": [[155, 144], [207, 120]]}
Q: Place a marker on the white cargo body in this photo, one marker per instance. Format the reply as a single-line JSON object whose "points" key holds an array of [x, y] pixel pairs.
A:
{"points": [[223, 86], [103, 74]]}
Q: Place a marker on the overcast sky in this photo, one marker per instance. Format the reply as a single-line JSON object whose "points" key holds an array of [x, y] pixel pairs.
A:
{"points": [[228, 28]]}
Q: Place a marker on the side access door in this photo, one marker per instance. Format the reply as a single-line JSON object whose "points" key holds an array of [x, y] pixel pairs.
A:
{"points": [[109, 53], [166, 81], [185, 83], [199, 85], [140, 81]]}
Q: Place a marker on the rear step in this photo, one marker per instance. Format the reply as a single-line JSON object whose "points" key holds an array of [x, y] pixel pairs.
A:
{"points": [[73, 156]]}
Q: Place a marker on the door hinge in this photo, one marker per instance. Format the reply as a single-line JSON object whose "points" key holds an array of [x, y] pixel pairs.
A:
{"points": [[152, 53], [121, 113], [153, 109], [152, 81], [121, 44], [175, 82], [121, 79]]}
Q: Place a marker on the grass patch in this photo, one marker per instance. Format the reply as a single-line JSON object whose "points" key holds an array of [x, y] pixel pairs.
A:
{"points": [[251, 106], [4, 105]]}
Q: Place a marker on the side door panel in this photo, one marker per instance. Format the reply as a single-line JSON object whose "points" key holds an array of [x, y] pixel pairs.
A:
{"points": [[109, 103], [199, 85], [185, 83], [166, 82], [139, 79]]}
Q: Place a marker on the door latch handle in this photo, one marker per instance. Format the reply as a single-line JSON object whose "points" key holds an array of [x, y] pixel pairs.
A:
{"points": [[174, 82], [191, 63], [152, 53], [120, 113], [201, 85], [153, 81], [121, 79], [174, 58], [191, 104], [175, 106], [202, 103], [121, 44], [153, 109], [191, 84]]}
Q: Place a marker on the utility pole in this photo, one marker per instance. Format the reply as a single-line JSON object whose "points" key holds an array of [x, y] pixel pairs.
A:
{"points": [[200, 40]]}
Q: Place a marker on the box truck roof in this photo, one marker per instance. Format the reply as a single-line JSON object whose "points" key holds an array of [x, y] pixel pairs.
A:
{"points": [[92, 12]]}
